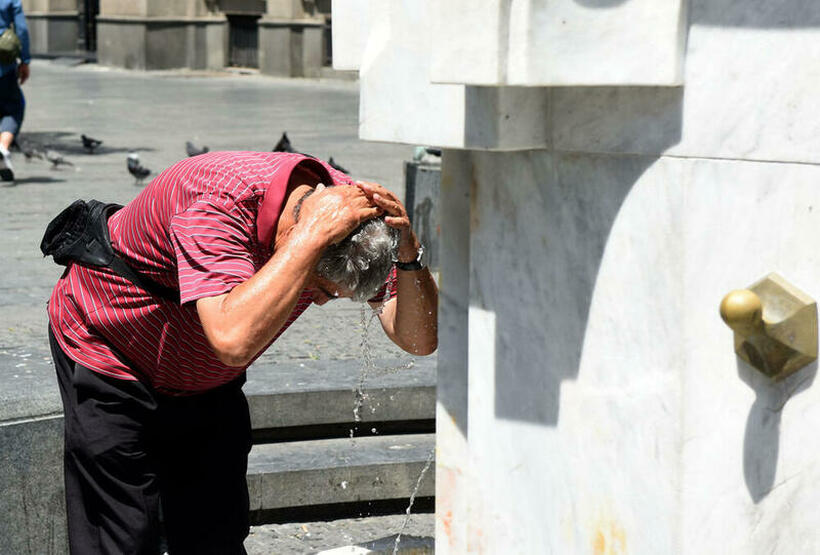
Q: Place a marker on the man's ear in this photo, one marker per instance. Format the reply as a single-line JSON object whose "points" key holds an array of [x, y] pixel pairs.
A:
{"points": [[320, 187]]}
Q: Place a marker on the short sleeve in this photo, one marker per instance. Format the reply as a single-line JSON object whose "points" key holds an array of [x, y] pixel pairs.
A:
{"points": [[214, 247], [388, 290]]}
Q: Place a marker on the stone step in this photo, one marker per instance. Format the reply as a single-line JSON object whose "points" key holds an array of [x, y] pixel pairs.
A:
{"points": [[336, 471], [324, 392]]}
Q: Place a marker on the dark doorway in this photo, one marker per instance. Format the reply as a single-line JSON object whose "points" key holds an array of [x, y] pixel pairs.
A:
{"points": [[87, 35], [244, 41], [327, 44]]}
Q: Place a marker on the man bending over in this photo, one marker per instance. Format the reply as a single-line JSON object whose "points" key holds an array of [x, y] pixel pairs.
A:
{"points": [[151, 388]]}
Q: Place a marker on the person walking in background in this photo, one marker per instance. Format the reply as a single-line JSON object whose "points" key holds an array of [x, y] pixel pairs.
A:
{"points": [[12, 75]]}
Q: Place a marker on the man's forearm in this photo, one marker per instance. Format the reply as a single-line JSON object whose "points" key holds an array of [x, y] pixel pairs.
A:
{"points": [[415, 321], [239, 324]]}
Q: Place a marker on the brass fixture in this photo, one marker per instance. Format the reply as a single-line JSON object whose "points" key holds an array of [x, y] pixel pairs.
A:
{"points": [[775, 326]]}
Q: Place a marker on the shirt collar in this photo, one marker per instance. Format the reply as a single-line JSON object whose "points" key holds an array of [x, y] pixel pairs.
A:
{"points": [[273, 202]]}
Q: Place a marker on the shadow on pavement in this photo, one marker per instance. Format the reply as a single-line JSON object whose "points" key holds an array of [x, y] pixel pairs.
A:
{"points": [[70, 143], [38, 180]]}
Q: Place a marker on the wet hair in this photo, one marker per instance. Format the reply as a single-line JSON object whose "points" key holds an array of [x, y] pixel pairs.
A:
{"points": [[361, 261]]}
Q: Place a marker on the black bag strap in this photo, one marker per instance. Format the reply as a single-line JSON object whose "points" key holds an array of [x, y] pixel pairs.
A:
{"points": [[142, 281], [80, 234]]}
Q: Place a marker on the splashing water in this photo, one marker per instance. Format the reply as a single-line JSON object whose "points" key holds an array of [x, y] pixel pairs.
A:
{"points": [[368, 364], [370, 368], [413, 498]]}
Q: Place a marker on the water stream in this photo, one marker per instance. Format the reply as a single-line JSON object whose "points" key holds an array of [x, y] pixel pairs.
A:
{"points": [[368, 369], [424, 470]]}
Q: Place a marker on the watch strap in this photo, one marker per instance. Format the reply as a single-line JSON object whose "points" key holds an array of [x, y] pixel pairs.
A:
{"points": [[413, 266]]}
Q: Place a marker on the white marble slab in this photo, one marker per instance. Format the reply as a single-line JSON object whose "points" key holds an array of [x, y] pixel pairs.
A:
{"points": [[452, 484], [351, 27], [606, 404], [559, 42], [398, 103], [574, 377], [751, 450], [750, 94]]}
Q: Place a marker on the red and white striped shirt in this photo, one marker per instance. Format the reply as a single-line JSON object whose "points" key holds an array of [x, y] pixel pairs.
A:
{"points": [[203, 226]]}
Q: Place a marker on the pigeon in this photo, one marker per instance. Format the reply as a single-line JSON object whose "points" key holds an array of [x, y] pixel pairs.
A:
{"points": [[336, 166], [30, 150], [90, 144], [283, 145], [136, 169], [192, 150], [56, 159]]}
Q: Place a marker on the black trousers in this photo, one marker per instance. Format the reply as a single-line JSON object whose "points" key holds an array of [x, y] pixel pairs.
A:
{"points": [[134, 458]]}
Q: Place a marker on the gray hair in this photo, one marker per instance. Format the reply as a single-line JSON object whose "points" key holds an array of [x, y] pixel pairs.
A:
{"points": [[361, 261]]}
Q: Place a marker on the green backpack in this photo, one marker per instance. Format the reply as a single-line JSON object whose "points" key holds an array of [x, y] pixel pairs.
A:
{"points": [[10, 47]]}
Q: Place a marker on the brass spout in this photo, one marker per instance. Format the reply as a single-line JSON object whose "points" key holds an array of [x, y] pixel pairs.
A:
{"points": [[775, 326]]}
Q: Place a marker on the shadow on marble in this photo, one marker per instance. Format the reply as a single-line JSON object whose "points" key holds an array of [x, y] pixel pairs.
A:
{"points": [[760, 14], [550, 216], [628, 120], [761, 443], [541, 223]]}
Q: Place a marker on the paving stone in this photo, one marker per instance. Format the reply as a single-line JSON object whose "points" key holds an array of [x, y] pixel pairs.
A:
{"points": [[315, 537], [342, 470]]}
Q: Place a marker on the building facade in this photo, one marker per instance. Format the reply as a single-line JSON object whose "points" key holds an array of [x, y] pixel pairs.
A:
{"points": [[289, 38]]}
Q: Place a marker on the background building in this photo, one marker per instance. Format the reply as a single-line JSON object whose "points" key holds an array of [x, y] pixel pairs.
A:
{"points": [[279, 37]]}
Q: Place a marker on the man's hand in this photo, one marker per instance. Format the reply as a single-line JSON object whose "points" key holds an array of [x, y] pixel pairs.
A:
{"points": [[334, 212], [395, 216], [22, 73]]}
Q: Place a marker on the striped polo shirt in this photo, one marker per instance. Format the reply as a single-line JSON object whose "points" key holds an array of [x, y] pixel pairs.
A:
{"points": [[202, 226]]}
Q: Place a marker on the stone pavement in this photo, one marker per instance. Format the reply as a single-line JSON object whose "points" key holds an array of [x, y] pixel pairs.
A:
{"points": [[154, 113]]}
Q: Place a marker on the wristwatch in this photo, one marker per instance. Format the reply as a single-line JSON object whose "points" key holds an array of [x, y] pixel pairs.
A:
{"points": [[415, 265]]}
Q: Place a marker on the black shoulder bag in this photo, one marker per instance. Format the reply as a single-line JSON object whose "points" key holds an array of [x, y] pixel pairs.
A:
{"points": [[80, 234]]}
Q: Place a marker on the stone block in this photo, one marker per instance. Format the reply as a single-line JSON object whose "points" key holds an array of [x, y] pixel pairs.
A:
{"points": [[53, 32], [290, 49], [274, 49], [760, 104], [421, 197], [351, 28], [162, 43], [312, 51], [324, 392], [297, 474], [396, 91], [454, 298], [121, 44], [553, 360], [563, 43], [166, 45], [758, 444], [33, 502]]}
